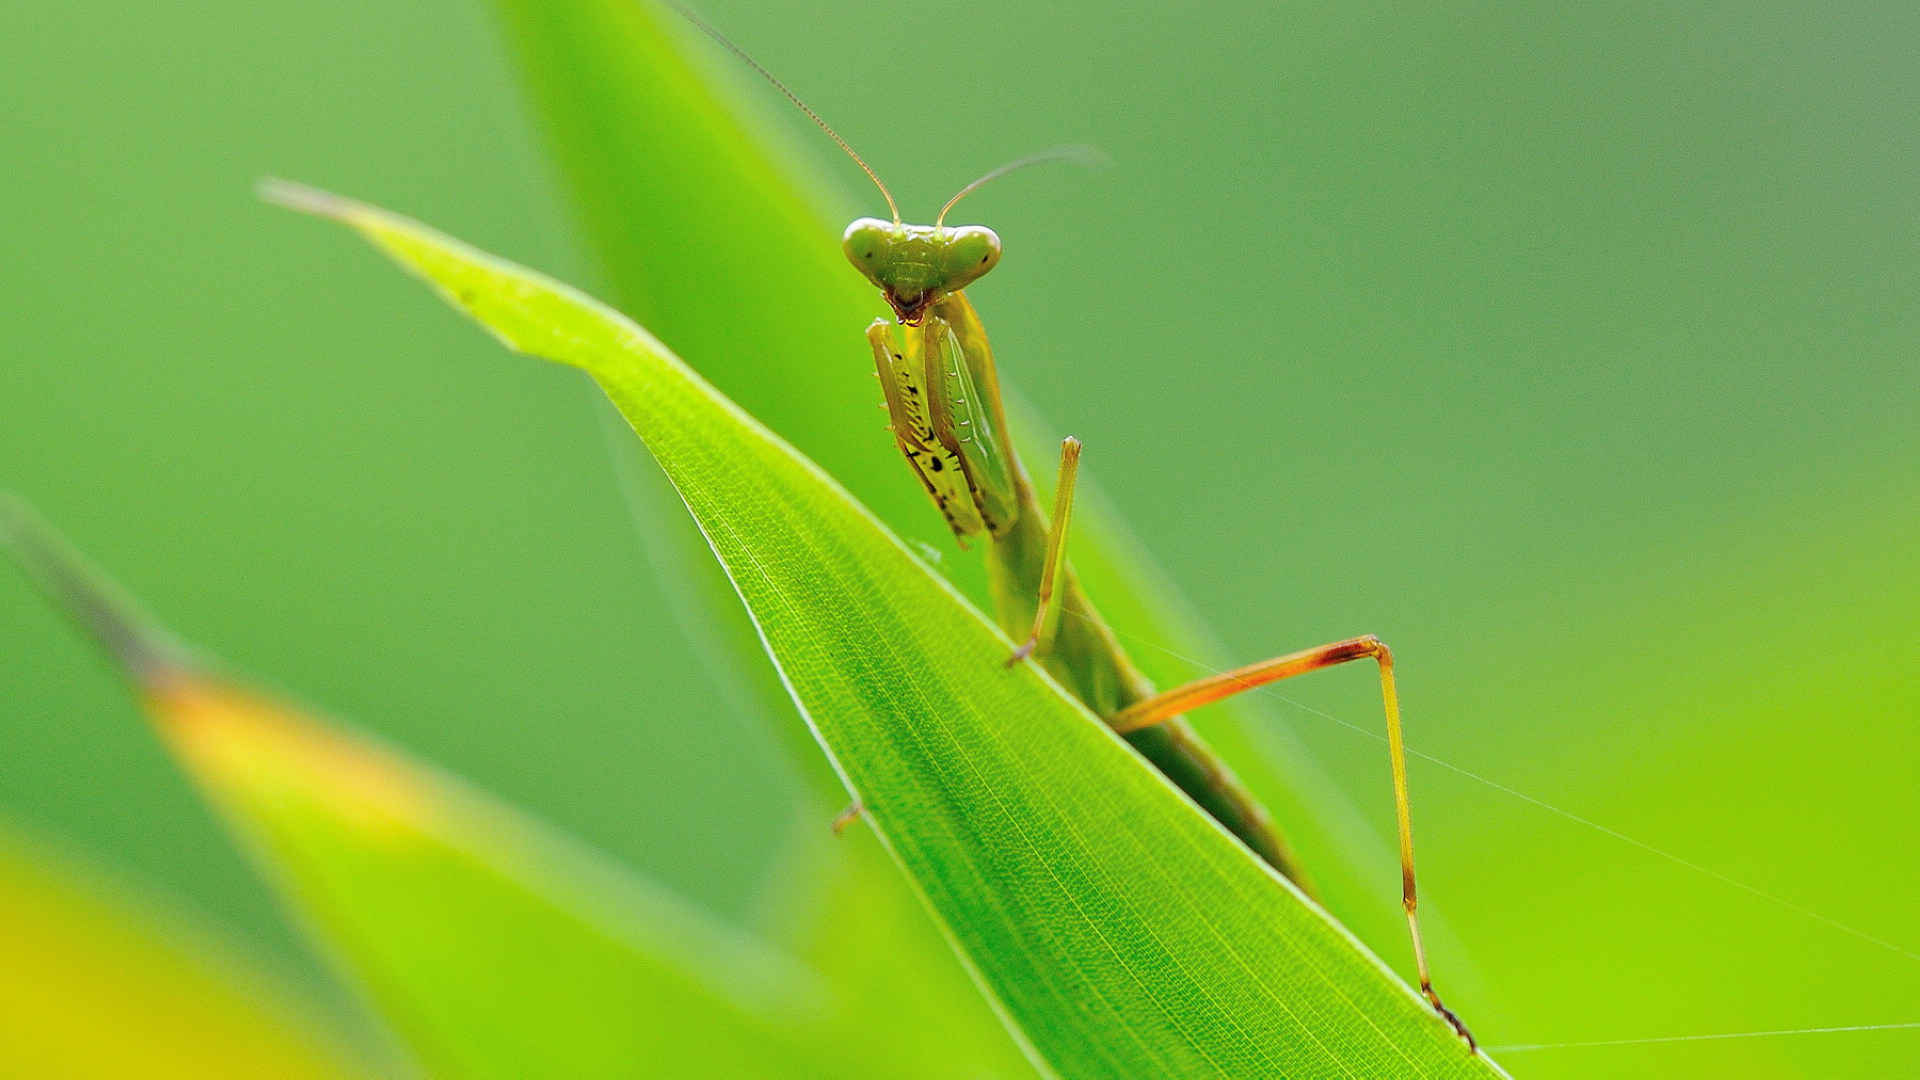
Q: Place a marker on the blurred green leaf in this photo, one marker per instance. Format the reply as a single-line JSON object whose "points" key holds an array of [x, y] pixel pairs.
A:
{"points": [[1123, 933], [492, 946], [93, 984]]}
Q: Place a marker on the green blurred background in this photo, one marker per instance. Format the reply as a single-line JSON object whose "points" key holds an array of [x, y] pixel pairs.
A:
{"points": [[1562, 348]]}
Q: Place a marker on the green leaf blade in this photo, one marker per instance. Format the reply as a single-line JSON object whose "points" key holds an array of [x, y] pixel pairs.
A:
{"points": [[665, 143], [1120, 930]]}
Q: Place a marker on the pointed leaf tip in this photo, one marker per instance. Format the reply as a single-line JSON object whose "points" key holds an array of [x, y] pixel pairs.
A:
{"points": [[307, 200], [148, 653]]}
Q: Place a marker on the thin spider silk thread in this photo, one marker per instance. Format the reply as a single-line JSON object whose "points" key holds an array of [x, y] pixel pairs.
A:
{"points": [[1517, 1048]]}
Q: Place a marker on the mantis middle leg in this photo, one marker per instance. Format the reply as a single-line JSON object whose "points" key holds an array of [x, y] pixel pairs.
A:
{"points": [[1046, 617]]}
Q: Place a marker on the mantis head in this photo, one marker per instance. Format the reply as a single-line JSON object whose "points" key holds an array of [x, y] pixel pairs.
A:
{"points": [[916, 266]]}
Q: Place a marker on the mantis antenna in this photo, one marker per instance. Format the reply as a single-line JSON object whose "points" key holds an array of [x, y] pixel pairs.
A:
{"points": [[727, 43], [1076, 153]]}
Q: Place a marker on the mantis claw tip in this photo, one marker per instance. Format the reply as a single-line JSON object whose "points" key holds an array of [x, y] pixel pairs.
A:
{"points": [[848, 817]]}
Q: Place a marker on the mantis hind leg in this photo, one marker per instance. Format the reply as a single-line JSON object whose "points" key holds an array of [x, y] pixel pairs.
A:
{"points": [[1046, 617], [1162, 707]]}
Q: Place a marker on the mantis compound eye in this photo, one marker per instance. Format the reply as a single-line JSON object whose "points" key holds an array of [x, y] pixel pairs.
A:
{"points": [[866, 242], [974, 250]]}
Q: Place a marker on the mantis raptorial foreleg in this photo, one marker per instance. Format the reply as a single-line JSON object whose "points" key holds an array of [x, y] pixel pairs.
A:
{"points": [[1183, 699], [1046, 617]]}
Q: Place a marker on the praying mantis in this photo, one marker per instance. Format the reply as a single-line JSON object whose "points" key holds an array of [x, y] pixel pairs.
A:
{"points": [[942, 395]]}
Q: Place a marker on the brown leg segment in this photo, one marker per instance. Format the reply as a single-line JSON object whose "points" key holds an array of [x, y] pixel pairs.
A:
{"points": [[1183, 699]]}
